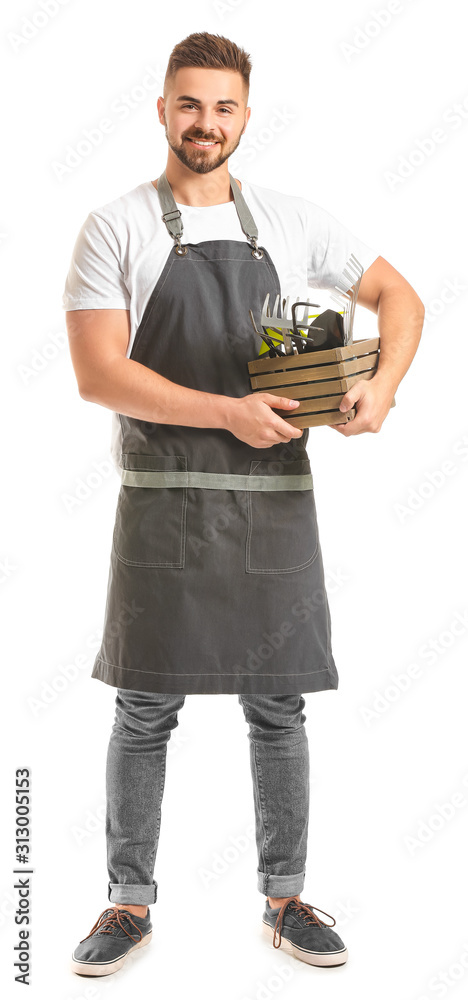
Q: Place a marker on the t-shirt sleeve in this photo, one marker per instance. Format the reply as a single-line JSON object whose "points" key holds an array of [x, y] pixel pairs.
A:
{"points": [[329, 246], [95, 278]]}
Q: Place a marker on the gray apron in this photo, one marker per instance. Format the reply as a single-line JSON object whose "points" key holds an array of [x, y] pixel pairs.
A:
{"points": [[216, 582]]}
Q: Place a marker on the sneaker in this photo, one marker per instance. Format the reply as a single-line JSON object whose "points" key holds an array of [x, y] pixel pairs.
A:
{"points": [[303, 934], [115, 934]]}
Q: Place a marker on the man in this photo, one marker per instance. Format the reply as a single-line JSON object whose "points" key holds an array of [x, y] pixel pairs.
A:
{"points": [[216, 581]]}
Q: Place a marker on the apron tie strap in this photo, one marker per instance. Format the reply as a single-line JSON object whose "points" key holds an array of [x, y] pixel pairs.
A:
{"points": [[214, 480], [172, 216]]}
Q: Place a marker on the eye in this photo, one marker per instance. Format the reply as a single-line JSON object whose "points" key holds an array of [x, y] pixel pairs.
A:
{"points": [[194, 106]]}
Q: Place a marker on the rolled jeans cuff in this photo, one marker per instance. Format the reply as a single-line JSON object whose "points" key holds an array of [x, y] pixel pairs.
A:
{"points": [[132, 894], [278, 886]]}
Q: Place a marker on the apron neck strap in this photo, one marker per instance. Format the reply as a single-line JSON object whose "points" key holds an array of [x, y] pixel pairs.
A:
{"points": [[172, 217]]}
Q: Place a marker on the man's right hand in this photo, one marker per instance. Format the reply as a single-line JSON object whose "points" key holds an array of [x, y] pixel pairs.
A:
{"points": [[99, 341], [251, 419]]}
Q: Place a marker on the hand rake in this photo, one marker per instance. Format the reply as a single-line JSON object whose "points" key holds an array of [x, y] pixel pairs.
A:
{"points": [[346, 297]]}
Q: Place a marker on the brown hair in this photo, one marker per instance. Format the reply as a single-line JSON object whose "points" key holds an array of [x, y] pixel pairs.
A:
{"points": [[210, 52]]}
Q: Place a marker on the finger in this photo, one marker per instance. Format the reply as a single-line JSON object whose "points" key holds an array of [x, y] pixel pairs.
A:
{"points": [[353, 395], [345, 427], [359, 422], [285, 438], [285, 430], [351, 427], [280, 402], [292, 431]]}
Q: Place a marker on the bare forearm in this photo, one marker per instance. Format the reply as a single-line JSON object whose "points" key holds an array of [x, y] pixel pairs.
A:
{"points": [[400, 322], [134, 390]]}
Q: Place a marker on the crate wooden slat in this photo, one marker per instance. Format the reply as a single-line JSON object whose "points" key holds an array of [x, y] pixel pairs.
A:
{"points": [[319, 379], [326, 417], [313, 373], [315, 405], [310, 389], [356, 349]]}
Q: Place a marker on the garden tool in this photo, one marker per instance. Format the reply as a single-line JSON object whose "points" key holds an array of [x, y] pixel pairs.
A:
{"points": [[346, 297], [287, 324]]}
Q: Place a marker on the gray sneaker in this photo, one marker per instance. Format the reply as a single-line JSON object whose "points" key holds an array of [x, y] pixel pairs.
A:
{"points": [[303, 934], [115, 934]]}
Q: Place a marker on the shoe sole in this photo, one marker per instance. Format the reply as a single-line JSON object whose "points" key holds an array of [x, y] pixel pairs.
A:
{"points": [[107, 968], [321, 958]]}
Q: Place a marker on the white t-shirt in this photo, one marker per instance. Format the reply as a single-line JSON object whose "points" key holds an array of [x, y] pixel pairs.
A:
{"points": [[123, 245]]}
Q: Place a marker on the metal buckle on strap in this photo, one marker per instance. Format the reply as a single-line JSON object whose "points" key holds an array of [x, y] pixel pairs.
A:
{"points": [[176, 214], [179, 249], [170, 217], [258, 254]]}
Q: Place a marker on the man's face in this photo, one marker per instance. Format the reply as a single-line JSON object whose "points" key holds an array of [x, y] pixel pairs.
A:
{"points": [[204, 104]]}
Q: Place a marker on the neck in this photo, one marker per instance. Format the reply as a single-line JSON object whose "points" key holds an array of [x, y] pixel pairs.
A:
{"points": [[198, 190]]}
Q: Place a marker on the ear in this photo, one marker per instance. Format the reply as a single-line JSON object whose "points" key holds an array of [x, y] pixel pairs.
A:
{"points": [[161, 110], [247, 116]]}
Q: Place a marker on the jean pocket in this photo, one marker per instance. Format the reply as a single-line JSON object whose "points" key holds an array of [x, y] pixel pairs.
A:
{"points": [[282, 532], [150, 521]]}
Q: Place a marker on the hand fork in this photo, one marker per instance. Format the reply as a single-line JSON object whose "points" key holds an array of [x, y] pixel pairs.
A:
{"points": [[283, 323], [274, 343], [269, 341], [274, 321]]}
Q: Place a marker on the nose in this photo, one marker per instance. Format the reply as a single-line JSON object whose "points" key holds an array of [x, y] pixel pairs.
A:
{"points": [[204, 121]]}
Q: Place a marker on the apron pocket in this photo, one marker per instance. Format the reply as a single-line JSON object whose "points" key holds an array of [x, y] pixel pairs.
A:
{"points": [[282, 535], [150, 521]]}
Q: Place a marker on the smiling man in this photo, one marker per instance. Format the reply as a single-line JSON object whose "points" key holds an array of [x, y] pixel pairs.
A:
{"points": [[215, 547]]}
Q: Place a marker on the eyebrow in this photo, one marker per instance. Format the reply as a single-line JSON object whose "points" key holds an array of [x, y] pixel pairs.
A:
{"points": [[195, 100]]}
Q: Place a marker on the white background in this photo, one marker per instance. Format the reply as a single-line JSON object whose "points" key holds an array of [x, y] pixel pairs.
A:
{"points": [[357, 115]]}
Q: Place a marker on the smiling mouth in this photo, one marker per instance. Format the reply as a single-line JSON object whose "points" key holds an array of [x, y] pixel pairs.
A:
{"points": [[202, 143]]}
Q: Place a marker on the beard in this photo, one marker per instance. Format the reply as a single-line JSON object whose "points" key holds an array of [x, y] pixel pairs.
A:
{"points": [[198, 160]]}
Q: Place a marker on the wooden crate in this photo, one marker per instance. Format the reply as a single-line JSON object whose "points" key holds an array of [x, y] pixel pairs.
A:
{"points": [[319, 379]]}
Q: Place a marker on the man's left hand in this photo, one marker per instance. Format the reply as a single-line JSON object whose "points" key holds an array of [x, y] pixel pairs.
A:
{"points": [[372, 401]]}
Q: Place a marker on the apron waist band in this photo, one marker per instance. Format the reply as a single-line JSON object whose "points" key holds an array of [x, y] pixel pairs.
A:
{"points": [[215, 480]]}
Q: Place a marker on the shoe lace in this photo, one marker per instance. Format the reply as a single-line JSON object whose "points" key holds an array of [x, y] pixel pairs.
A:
{"points": [[307, 912], [108, 920]]}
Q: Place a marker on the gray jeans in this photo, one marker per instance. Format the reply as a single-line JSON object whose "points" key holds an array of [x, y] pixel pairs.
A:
{"points": [[135, 776]]}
